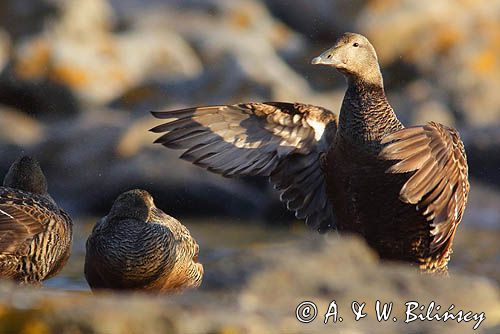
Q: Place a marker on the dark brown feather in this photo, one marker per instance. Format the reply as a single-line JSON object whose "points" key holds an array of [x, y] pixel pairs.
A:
{"points": [[19, 223], [35, 235], [440, 186], [281, 140], [26, 220], [404, 190], [139, 247]]}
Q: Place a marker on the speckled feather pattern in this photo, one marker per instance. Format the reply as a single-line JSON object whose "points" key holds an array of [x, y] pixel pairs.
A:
{"points": [[130, 254], [403, 189], [35, 236]]}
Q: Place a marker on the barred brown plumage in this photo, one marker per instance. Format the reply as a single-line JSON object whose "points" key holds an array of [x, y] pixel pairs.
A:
{"points": [[139, 247], [35, 234], [403, 189]]}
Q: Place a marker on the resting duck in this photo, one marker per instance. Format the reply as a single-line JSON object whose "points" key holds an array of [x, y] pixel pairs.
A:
{"points": [[139, 247], [35, 234], [403, 189]]}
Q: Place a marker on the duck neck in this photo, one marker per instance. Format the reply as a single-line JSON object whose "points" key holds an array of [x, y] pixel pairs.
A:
{"points": [[366, 116]]}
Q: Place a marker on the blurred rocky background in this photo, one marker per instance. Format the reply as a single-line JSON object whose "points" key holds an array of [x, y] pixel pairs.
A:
{"points": [[78, 79]]}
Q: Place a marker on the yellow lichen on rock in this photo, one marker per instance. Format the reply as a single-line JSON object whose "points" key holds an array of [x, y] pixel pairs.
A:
{"points": [[454, 43], [35, 327], [33, 59], [70, 75], [19, 129], [81, 50], [484, 61]]}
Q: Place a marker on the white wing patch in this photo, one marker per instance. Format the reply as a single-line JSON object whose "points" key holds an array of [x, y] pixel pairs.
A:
{"points": [[318, 127], [5, 213]]}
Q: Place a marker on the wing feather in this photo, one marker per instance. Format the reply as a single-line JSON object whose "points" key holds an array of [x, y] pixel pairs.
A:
{"points": [[439, 185], [283, 141], [21, 218]]}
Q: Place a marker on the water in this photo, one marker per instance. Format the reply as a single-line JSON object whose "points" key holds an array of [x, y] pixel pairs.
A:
{"points": [[476, 249]]}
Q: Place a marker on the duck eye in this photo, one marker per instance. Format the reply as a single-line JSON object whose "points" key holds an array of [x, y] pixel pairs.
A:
{"points": [[355, 45]]}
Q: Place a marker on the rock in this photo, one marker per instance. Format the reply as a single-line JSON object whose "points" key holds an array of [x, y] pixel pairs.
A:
{"points": [[41, 97], [104, 153], [419, 102], [357, 276], [482, 145], [84, 19], [21, 18], [473, 250], [452, 44], [5, 48], [19, 129], [19, 133], [241, 17], [320, 271], [82, 51], [24, 313], [222, 82], [427, 104], [318, 19], [243, 32]]}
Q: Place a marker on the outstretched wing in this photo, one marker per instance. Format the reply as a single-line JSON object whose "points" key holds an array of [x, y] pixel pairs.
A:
{"points": [[439, 185], [21, 219], [282, 140]]}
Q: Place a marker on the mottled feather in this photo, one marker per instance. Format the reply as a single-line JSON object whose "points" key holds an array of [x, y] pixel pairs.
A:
{"points": [[21, 218], [139, 247], [439, 185], [35, 235]]}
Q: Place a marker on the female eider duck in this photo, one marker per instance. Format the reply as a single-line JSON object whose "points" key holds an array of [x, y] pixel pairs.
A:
{"points": [[403, 189], [35, 234], [139, 247]]}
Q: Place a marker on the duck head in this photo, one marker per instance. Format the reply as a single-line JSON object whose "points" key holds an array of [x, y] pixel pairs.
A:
{"points": [[132, 204], [354, 57], [25, 174]]}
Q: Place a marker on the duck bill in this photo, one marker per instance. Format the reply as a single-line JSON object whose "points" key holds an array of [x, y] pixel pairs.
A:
{"points": [[327, 58]]}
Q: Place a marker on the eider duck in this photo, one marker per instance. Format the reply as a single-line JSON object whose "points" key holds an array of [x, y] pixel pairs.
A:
{"points": [[139, 247], [403, 189], [35, 234]]}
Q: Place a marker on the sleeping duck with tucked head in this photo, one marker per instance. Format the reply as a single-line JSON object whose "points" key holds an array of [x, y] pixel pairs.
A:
{"points": [[35, 234], [139, 247]]}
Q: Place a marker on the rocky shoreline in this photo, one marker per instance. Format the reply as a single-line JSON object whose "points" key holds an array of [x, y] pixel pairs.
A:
{"points": [[78, 80], [343, 270]]}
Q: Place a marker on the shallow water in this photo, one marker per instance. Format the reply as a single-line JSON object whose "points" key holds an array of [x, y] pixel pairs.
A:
{"points": [[476, 249]]}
